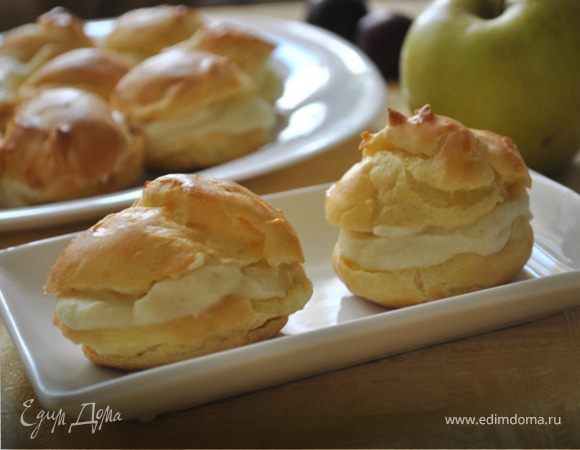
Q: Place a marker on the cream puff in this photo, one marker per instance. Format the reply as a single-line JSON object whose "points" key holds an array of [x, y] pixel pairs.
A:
{"points": [[64, 144], [141, 33], [95, 70], [196, 109], [194, 266], [434, 209]]}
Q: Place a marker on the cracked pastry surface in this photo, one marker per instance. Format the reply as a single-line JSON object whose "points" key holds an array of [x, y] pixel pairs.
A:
{"points": [[193, 267], [433, 209]]}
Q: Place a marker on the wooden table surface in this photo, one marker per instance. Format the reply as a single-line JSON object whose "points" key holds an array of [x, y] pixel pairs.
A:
{"points": [[401, 401]]}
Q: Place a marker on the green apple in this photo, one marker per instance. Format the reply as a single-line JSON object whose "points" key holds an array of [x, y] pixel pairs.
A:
{"points": [[510, 66]]}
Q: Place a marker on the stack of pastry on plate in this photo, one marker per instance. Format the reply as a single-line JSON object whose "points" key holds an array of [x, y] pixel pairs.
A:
{"points": [[165, 89]]}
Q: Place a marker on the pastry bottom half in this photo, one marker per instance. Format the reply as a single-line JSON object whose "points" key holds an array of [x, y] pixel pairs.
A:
{"points": [[25, 190], [204, 150], [232, 323], [463, 273]]}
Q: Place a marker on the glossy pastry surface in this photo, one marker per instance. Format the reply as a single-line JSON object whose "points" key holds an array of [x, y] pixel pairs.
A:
{"points": [[250, 52], [53, 33], [65, 143], [141, 33], [95, 70]]}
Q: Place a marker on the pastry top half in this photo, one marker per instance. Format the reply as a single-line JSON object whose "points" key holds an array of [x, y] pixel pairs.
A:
{"points": [[249, 51], [54, 32], [245, 48], [66, 143], [188, 244], [143, 32], [95, 70], [427, 171], [176, 81]]}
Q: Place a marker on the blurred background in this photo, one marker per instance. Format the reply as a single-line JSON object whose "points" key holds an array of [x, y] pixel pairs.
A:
{"points": [[13, 13]]}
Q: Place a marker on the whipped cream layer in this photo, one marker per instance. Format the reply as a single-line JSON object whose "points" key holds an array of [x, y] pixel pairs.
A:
{"points": [[399, 248], [232, 116], [171, 299]]}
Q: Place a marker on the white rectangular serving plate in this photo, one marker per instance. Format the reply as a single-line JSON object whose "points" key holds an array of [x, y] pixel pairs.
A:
{"points": [[336, 329]]}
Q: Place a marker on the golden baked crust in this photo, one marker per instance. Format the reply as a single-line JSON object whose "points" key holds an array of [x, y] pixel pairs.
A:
{"points": [[63, 144], [26, 48], [7, 105], [143, 32], [466, 272], [425, 181], [95, 70], [426, 170], [173, 82], [167, 232], [248, 51], [197, 109], [54, 32], [166, 354], [459, 158], [235, 220], [180, 226]]}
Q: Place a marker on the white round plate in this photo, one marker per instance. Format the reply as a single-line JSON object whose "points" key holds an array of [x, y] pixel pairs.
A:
{"points": [[331, 92]]}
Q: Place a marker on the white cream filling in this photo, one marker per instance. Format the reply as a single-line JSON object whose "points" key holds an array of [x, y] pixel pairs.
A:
{"points": [[171, 299], [397, 248], [231, 117]]}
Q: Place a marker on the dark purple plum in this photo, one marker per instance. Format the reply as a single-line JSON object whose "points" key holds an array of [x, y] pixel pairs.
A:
{"points": [[380, 35], [339, 16]]}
